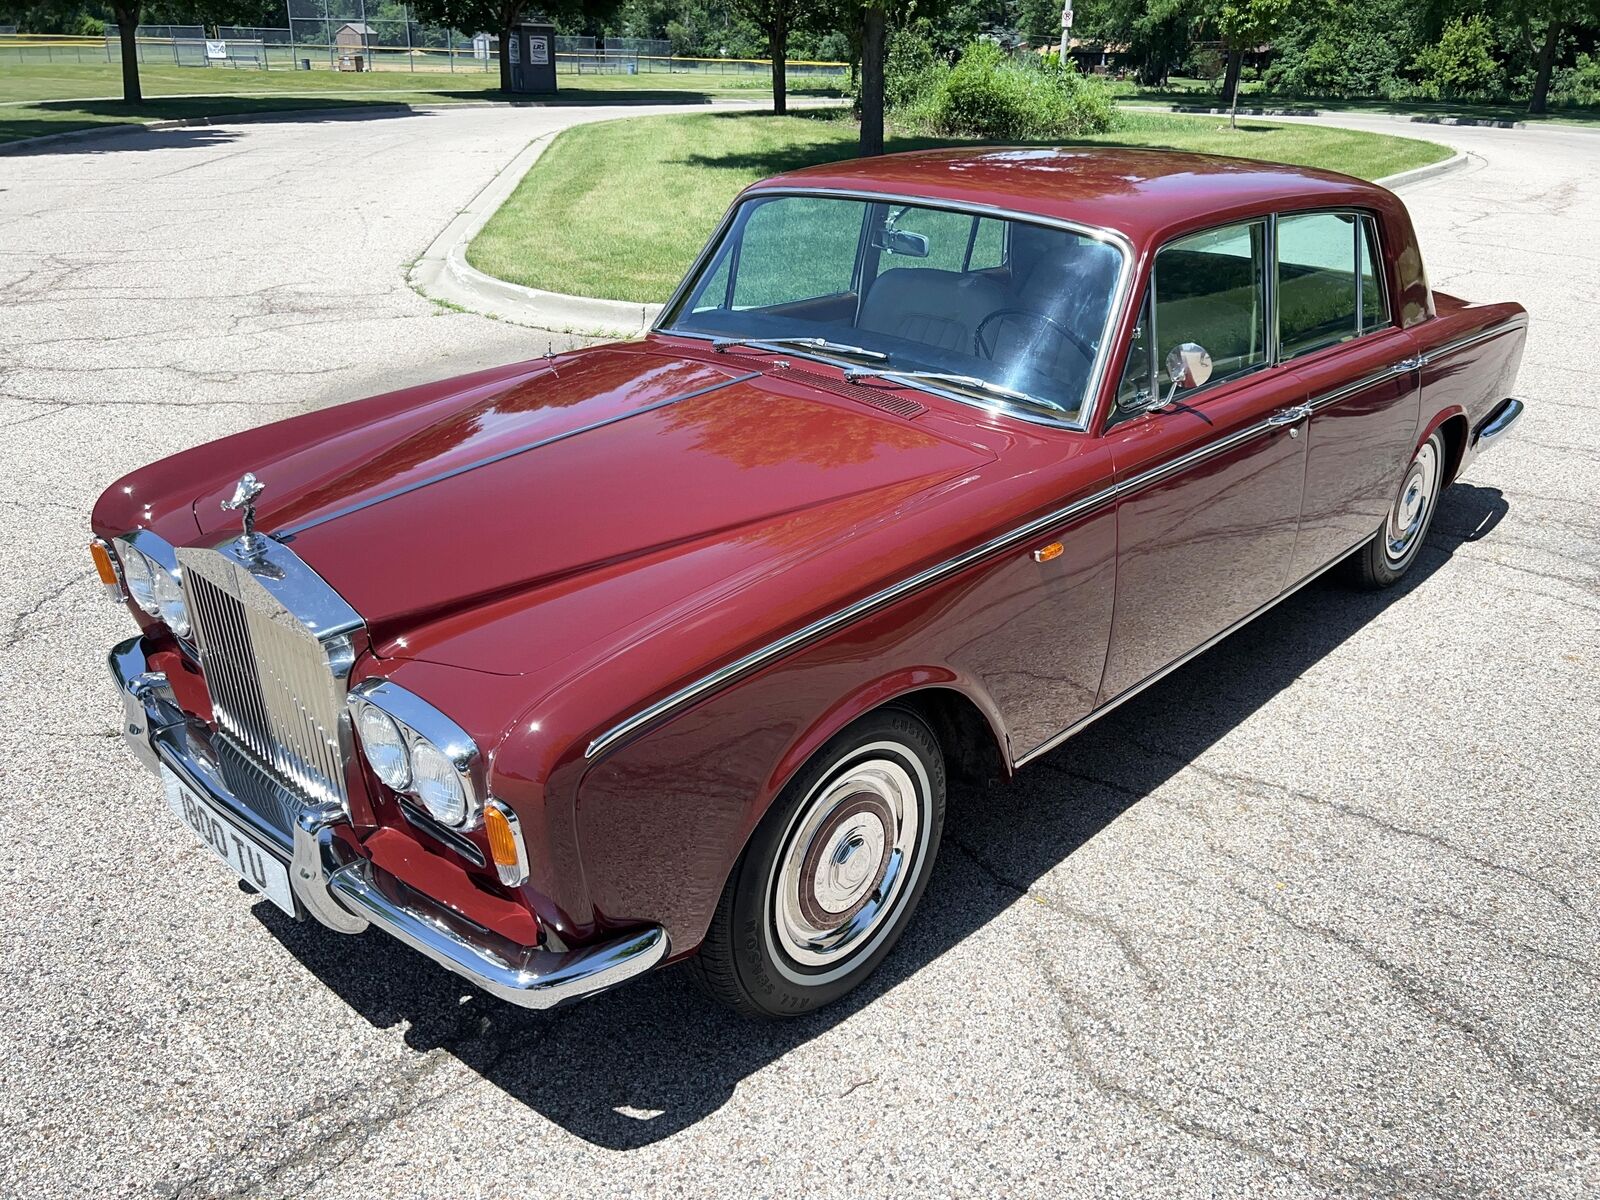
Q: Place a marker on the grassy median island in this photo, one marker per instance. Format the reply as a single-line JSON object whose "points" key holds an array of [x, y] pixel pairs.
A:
{"points": [[619, 209], [38, 98]]}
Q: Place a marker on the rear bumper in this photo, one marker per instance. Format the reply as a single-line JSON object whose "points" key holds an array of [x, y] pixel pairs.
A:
{"points": [[1493, 427], [331, 879]]}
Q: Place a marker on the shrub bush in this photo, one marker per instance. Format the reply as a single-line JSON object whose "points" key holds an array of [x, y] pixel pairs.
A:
{"points": [[1577, 86], [1461, 66], [988, 94]]}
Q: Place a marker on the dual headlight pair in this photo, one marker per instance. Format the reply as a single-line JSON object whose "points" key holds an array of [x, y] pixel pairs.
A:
{"points": [[417, 751], [420, 753], [154, 586]]}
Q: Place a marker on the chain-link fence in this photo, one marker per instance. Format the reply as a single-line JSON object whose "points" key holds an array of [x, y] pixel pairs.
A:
{"points": [[346, 35]]}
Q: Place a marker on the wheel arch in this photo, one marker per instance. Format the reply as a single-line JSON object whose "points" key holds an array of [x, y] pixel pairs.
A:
{"points": [[964, 719], [1451, 424]]}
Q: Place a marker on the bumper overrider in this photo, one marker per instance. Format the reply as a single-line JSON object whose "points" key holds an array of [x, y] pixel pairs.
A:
{"points": [[332, 881]]}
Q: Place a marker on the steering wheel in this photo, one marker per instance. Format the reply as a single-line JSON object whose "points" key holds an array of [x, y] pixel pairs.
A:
{"points": [[1061, 331]]}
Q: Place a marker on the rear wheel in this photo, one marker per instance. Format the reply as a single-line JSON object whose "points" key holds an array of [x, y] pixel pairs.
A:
{"points": [[1388, 556], [832, 874]]}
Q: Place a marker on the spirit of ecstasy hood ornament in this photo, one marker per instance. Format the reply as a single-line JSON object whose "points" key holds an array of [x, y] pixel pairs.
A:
{"points": [[244, 500]]}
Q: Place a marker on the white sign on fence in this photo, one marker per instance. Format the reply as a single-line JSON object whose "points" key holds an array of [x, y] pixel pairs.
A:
{"points": [[217, 50]]}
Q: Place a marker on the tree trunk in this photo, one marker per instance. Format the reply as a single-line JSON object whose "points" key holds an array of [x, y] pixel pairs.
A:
{"points": [[872, 54], [1234, 56], [1230, 77], [505, 59], [778, 50], [1547, 61], [128, 34]]}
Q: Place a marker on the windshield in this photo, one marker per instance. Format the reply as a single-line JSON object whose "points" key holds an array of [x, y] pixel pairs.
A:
{"points": [[1002, 312]]}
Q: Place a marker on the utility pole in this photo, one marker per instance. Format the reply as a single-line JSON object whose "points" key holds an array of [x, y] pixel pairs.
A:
{"points": [[1066, 29]]}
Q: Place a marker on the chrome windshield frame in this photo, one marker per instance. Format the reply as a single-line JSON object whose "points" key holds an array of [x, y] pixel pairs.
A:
{"points": [[1079, 421]]}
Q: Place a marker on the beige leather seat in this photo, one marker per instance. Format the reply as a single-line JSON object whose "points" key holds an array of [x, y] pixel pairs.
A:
{"points": [[934, 307]]}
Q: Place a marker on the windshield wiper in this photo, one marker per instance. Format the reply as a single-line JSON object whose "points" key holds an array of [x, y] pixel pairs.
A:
{"points": [[806, 343], [971, 382]]}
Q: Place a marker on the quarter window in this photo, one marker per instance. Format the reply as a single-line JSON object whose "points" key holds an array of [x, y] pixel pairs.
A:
{"points": [[1317, 300], [1374, 303]]}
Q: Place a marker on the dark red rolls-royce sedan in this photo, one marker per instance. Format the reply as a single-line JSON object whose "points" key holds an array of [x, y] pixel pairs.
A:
{"points": [[666, 650]]}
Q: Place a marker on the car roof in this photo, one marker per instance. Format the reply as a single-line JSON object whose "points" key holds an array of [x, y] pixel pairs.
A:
{"points": [[1146, 195]]}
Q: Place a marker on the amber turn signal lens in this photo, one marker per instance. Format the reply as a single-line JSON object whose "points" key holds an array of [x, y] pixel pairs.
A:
{"points": [[103, 563], [502, 842], [1045, 553]]}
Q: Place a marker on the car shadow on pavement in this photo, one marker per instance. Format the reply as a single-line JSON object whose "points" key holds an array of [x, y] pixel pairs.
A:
{"points": [[116, 135], [636, 1065]]}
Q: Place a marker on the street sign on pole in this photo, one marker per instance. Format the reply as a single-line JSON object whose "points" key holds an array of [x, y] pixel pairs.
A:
{"points": [[1066, 28]]}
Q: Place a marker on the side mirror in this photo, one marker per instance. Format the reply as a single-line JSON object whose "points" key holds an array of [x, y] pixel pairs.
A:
{"points": [[1188, 366]]}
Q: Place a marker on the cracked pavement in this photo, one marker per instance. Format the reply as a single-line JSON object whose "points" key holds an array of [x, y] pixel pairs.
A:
{"points": [[1316, 916]]}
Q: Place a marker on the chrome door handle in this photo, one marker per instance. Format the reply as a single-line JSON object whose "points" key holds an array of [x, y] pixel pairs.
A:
{"points": [[1289, 416], [1415, 363]]}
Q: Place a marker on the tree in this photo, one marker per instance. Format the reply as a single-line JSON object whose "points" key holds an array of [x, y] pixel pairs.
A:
{"points": [[774, 18], [1557, 17], [500, 17], [1244, 25]]}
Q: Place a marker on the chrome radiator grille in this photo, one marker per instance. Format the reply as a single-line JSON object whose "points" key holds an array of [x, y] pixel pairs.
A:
{"points": [[277, 683]]}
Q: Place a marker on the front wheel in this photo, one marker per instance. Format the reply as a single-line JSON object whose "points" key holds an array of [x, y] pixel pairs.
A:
{"points": [[832, 874], [1390, 554]]}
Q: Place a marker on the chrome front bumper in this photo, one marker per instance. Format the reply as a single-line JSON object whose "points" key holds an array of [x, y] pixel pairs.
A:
{"points": [[334, 884]]}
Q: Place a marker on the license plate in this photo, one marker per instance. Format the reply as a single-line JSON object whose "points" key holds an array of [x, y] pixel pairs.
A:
{"points": [[248, 860]]}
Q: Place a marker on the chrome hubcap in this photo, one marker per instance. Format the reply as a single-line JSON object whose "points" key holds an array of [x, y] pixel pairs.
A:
{"points": [[845, 863], [1409, 515]]}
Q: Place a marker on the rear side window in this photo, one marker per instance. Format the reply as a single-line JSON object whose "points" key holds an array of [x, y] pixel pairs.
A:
{"points": [[1210, 288], [1317, 297]]}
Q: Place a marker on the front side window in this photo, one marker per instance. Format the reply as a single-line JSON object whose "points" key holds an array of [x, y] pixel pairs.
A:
{"points": [[1209, 288], [1317, 300], [1009, 313]]}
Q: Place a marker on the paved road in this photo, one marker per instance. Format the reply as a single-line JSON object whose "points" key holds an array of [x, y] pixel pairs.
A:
{"points": [[1315, 917]]}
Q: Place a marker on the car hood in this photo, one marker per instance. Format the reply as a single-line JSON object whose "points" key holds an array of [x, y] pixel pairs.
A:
{"points": [[514, 525]]}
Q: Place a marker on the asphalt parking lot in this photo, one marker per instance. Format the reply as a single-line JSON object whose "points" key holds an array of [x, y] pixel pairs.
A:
{"points": [[1317, 916]]}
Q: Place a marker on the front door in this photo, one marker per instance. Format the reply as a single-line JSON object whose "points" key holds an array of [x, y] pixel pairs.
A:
{"points": [[1206, 528]]}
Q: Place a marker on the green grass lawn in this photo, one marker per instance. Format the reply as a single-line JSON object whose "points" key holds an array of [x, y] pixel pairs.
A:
{"points": [[619, 209], [38, 99], [1252, 95]]}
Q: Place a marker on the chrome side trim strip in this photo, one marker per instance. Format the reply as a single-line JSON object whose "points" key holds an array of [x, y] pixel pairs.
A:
{"points": [[359, 505], [924, 578], [1472, 339], [1052, 742]]}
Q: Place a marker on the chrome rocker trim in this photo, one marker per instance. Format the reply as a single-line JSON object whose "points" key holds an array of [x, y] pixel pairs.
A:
{"points": [[342, 890]]}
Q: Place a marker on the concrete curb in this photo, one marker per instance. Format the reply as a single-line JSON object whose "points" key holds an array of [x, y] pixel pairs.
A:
{"points": [[443, 273], [1428, 171]]}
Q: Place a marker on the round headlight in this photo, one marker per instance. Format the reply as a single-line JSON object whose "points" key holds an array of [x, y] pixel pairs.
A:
{"points": [[384, 747], [434, 782], [140, 575], [169, 601]]}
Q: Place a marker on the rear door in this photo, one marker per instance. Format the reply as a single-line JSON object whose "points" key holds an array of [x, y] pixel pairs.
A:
{"points": [[1337, 333], [1206, 527]]}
